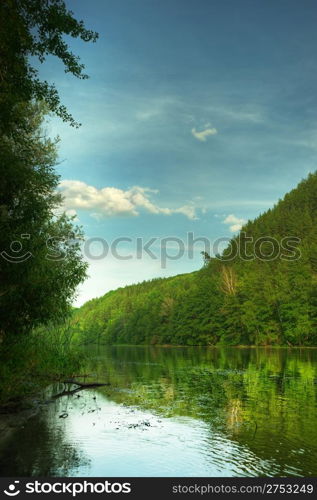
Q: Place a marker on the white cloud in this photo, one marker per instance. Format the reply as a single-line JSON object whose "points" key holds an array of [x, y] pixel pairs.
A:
{"points": [[203, 134], [188, 210], [235, 227], [235, 223], [111, 202]]}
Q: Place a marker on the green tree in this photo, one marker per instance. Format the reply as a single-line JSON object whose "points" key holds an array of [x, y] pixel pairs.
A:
{"points": [[40, 262], [35, 28]]}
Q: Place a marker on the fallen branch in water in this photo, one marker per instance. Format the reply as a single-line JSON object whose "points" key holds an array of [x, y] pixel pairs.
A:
{"points": [[66, 393], [81, 386], [84, 385]]}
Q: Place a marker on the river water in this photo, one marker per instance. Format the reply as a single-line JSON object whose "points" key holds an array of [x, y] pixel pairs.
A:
{"points": [[172, 411]]}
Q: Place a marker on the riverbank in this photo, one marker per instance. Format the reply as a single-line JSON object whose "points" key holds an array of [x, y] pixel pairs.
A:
{"points": [[209, 346], [31, 363]]}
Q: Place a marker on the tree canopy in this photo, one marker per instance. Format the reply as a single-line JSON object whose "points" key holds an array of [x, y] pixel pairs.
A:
{"points": [[36, 29], [40, 262]]}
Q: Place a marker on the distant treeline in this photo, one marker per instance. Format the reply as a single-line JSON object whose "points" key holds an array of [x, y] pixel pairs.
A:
{"points": [[261, 291]]}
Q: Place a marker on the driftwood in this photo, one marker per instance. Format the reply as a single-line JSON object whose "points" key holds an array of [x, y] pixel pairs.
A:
{"points": [[84, 385], [66, 393], [80, 387]]}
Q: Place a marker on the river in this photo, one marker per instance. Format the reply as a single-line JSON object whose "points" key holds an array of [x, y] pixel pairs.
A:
{"points": [[172, 411]]}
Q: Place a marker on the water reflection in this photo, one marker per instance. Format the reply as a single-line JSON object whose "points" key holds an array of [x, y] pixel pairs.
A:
{"points": [[178, 411], [40, 448]]}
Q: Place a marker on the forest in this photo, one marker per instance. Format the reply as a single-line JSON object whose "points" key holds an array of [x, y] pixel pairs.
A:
{"points": [[262, 290]]}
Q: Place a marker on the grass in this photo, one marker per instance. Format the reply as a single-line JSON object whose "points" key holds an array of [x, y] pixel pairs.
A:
{"points": [[32, 362]]}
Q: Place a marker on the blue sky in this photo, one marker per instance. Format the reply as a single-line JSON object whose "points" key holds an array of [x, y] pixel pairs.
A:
{"points": [[197, 115]]}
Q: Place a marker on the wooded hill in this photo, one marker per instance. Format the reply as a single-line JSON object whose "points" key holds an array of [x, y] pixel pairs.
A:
{"points": [[262, 290]]}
